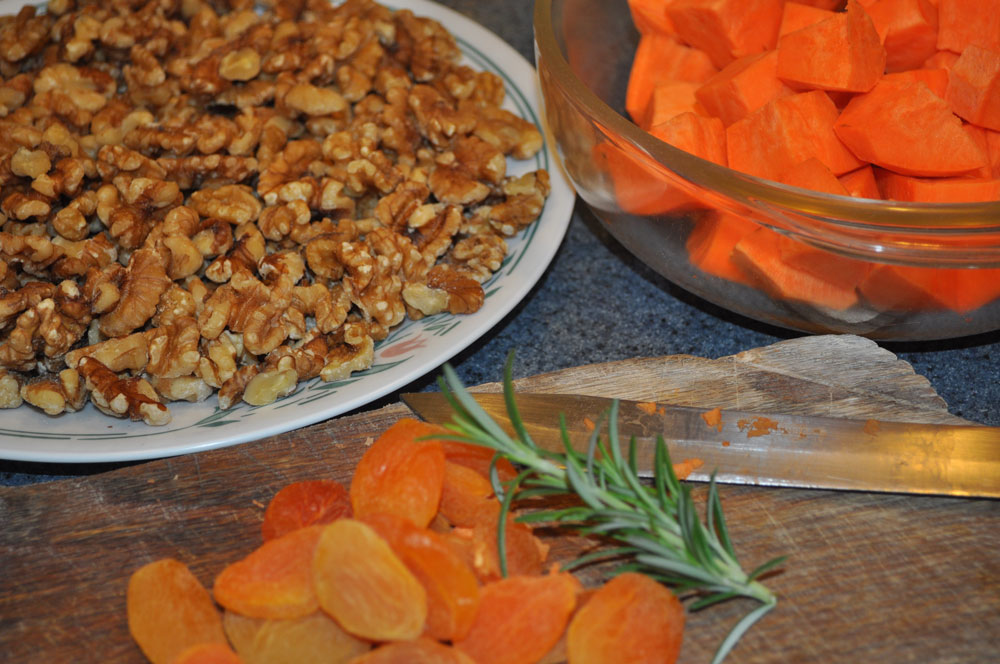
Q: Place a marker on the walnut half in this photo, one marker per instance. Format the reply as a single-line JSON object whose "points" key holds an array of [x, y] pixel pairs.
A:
{"points": [[134, 398], [56, 394], [10, 390]]}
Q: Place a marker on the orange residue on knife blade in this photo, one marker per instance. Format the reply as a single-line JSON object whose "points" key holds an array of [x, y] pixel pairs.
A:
{"points": [[713, 418], [872, 427], [686, 467], [758, 426], [647, 407], [589, 423], [725, 443]]}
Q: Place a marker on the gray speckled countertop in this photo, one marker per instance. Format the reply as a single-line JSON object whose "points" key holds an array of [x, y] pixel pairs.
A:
{"points": [[596, 303]]}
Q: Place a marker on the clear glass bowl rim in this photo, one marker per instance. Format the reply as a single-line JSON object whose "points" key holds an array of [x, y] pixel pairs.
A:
{"points": [[855, 213]]}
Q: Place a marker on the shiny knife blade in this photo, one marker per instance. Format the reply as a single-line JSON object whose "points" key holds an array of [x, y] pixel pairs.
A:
{"points": [[765, 449]]}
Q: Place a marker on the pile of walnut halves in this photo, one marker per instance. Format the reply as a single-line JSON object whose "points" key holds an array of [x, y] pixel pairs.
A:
{"points": [[206, 196]]}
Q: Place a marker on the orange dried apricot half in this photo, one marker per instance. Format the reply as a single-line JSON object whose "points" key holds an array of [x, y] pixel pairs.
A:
{"points": [[313, 638], [273, 581], [400, 475], [306, 503], [631, 618], [464, 493], [365, 586], [525, 552], [169, 611], [478, 458], [520, 618]]}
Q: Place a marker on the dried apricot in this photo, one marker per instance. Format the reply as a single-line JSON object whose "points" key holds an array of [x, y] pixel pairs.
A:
{"points": [[418, 651], [525, 552], [631, 618], [452, 589], [307, 640], [365, 586], [273, 581], [208, 653], [169, 611], [306, 503], [464, 493], [520, 618], [400, 475], [460, 541], [478, 458]]}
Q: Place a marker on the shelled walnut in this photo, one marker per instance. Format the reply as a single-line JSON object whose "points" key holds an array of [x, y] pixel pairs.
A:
{"points": [[201, 197]]}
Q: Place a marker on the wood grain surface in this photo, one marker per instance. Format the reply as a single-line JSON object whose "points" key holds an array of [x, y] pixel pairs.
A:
{"points": [[870, 578]]}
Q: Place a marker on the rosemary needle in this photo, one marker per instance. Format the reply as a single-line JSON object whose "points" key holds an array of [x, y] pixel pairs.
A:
{"points": [[655, 525]]}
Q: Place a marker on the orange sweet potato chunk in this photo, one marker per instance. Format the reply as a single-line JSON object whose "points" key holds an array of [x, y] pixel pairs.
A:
{"points": [[897, 187], [650, 16], [785, 132], [641, 186], [842, 53], [209, 653], [813, 174], [365, 586], [727, 29], [992, 140], [312, 638], [905, 288], [521, 618], [306, 503], [972, 288], [861, 183], [169, 611], [941, 60], [660, 58], [974, 87], [274, 580], [711, 242], [742, 87], [400, 475], [904, 127], [797, 15], [908, 29], [418, 651], [631, 618], [793, 270], [695, 134], [452, 588], [965, 22], [980, 136], [935, 79], [669, 100]]}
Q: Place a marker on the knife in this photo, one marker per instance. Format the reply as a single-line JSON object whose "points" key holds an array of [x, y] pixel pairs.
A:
{"points": [[763, 449]]}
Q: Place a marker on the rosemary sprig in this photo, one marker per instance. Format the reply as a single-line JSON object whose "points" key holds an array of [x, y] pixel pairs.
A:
{"points": [[656, 526]]}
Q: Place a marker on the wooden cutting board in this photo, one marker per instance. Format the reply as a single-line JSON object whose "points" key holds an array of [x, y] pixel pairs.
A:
{"points": [[884, 578]]}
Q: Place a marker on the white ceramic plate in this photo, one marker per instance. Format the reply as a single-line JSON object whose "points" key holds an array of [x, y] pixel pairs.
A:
{"points": [[412, 350]]}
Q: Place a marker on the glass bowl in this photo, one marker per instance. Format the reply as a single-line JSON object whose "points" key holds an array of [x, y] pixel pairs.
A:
{"points": [[802, 260]]}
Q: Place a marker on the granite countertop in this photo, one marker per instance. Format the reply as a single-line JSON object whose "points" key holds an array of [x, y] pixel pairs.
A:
{"points": [[597, 303]]}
